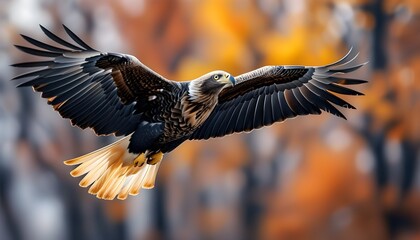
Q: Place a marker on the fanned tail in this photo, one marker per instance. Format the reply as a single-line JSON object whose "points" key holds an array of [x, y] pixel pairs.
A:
{"points": [[111, 173]]}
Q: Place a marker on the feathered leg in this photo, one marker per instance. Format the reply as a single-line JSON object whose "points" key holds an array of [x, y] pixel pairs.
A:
{"points": [[153, 158]]}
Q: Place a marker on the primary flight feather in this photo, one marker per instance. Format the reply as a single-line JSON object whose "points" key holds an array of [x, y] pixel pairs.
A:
{"points": [[115, 93]]}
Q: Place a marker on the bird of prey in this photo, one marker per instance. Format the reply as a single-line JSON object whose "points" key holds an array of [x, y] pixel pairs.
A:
{"points": [[115, 93]]}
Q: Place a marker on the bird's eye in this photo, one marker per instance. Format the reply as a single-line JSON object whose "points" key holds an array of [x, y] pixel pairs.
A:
{"points": [[216, 77]]}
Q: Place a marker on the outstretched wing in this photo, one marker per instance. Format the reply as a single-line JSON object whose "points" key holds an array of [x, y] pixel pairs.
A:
{"points": [[93, 89], [274, 93]]}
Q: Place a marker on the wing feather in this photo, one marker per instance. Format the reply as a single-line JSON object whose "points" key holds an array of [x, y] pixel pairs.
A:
{"points": [[308, 106], [284, 106], [239, 126], [248, 119], [275, 106], [267, 111], [77, 39], [229, 127], [59, 40], [79, 82], [259, 111], [37, 52], [274, 93], [43, 45]]}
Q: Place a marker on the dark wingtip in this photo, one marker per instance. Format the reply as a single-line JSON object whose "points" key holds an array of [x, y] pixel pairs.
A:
{"points": [[338, 113], [348, 106], [59, 40], [32, 64], [23, 85], [342, 60], [19, 77], [77, 39], [356, 81], [43, 28], [65, 27], [37, 52], [19, 47]]}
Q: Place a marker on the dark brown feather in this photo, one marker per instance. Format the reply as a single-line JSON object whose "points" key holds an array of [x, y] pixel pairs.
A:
{"points": [[266, 79], [91, 88], [124, 91]]}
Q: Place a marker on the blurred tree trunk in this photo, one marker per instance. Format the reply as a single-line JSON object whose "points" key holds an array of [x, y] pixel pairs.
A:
{"points": [[251, 207], [377, 139], [11, 222]]}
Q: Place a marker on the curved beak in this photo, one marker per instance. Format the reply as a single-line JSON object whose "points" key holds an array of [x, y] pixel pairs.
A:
{"points": [[231, 79]]}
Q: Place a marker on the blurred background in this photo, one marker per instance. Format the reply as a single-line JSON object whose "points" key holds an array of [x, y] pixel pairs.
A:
{"points": [[313, 177]]}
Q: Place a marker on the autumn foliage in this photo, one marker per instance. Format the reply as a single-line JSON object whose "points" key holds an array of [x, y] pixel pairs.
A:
{"points": [[312, 177]]}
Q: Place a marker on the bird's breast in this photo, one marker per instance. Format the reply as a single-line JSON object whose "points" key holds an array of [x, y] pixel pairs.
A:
{"points": [[195, 112], [185, 117]]}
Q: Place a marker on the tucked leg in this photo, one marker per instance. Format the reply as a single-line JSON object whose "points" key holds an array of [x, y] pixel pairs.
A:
{"points": [[153, 157], [140, 160]]}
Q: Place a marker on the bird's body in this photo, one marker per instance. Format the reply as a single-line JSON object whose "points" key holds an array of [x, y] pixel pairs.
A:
{"points": [[115, 93]]}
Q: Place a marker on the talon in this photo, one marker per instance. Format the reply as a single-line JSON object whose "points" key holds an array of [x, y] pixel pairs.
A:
{"points": [[155, 158], [139, 161]]}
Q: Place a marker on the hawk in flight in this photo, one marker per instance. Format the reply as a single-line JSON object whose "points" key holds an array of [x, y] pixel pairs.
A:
{"points": [[115, 93]]}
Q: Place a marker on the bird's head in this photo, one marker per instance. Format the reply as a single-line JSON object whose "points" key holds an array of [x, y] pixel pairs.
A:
{"points": [[216, 80], [221, 77], [210, 84]]}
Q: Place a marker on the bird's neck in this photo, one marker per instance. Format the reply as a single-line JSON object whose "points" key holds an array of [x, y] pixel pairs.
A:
{"points": [[197, 105], [198, 94]]}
